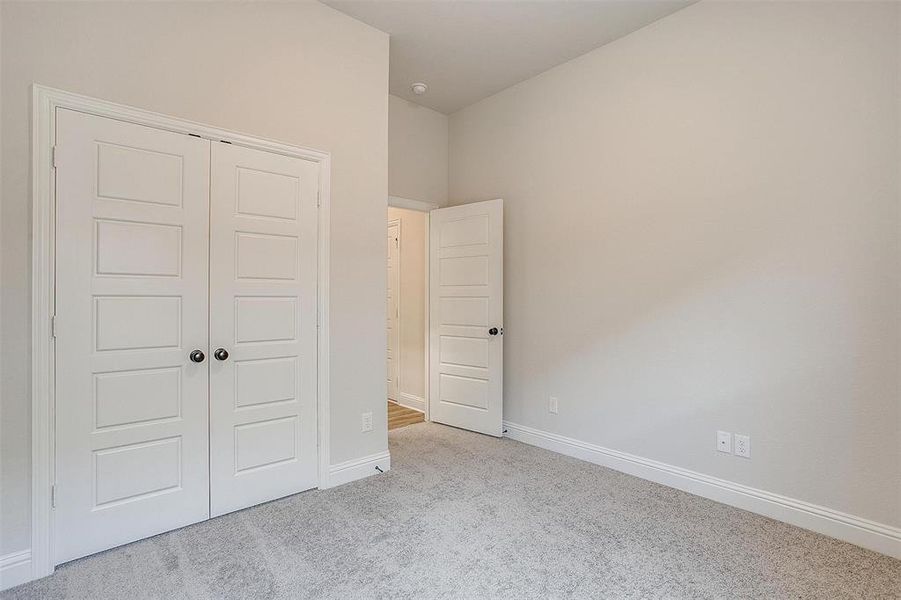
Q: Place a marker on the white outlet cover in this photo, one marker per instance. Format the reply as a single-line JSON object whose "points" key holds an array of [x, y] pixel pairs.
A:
{"points": [[743, 446], [553, 405], [367, 421], [724, 441]]}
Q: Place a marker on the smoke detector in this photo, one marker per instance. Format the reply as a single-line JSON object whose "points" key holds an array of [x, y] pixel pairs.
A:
{"points": [[419, 88]]}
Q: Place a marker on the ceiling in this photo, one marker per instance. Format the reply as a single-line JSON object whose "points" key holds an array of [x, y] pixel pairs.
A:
{"points": [[466, 50]]}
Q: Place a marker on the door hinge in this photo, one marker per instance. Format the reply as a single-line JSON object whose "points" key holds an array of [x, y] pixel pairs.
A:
{"points": [[318, 199], [53, 326], [52, 496], [53, 157]]}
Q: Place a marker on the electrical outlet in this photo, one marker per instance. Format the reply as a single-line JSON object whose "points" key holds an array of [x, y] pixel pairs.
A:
{"points": [[552, 405], [743, 446], [367, 421], [724, 441]]}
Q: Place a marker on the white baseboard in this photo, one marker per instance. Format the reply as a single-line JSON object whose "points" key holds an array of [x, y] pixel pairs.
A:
{"points": [[359, 468], [15, 569], [862, 532], [411, 401]]}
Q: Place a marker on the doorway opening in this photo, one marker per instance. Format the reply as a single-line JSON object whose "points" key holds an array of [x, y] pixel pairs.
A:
{"points": [[407, 378], [445, 301]]}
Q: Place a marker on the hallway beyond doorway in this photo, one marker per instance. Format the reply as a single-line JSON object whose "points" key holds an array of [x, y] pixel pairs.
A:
{"points": [[401, 416]]}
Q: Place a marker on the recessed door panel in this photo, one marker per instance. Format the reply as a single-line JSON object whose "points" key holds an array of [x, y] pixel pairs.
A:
{"points": [[266, 444], [469, 392], [264, 194], [265, 319], [131, 398], [132, 249], [465, 231], [139, 175], [131, 304], [263, 237], [134, 472], [137, 322], [266, 380], [464, 351], [262, 256], [463, 270], [464, 311]]}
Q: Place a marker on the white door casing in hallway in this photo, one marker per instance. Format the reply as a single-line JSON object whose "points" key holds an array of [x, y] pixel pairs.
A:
{"points": [[131, 410], [263, 240], [393, 309], [466, 316]]}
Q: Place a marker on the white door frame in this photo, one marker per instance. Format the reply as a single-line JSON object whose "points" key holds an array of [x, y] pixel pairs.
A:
{"points": [[398, 358], [45, 101], [423, 207]]}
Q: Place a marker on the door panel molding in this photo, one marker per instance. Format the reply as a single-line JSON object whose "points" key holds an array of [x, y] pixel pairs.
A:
{"points": [[45, 102]]}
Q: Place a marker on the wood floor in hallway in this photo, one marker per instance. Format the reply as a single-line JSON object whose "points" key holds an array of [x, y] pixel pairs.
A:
{"points": [[401, 416]]}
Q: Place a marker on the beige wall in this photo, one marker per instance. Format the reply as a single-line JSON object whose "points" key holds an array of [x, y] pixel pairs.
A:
{"points": [[412, 305], [297, 72], [417, 152], [702, 233]]}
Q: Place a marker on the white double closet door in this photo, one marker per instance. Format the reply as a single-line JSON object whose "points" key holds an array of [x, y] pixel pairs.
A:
{"points": [[186, 338]]}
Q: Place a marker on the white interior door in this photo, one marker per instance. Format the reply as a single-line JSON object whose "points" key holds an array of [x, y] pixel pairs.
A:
{"points": [[393, 308], [263, 304], [131, 304], [466, 296]]}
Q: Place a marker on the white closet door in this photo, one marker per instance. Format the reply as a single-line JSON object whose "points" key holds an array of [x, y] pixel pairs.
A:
{"points": [[393, 308], [466, 297], [131, 304], [263, 303]]}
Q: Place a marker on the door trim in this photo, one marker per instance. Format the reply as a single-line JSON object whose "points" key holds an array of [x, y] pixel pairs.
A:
{"points": [[45, 102], [397, 323], [410, 204], [425, 208]]}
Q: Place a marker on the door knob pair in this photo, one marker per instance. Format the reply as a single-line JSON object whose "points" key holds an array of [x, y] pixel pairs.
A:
{"points": [[198, 356]]}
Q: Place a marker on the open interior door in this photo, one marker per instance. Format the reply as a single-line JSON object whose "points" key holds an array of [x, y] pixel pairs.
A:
{"points": [[466, 298]]}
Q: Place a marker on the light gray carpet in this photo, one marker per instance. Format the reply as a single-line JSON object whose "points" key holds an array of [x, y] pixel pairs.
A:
{"points": [[467, 516]]}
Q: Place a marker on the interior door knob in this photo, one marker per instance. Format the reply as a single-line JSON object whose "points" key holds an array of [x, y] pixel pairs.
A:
{"points": [[221, 354], [197, 356], [492, 331]]}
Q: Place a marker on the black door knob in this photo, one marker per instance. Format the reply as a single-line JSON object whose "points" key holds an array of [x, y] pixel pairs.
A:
{"points": [[221, 354], [492, 331], [197, 356]]}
